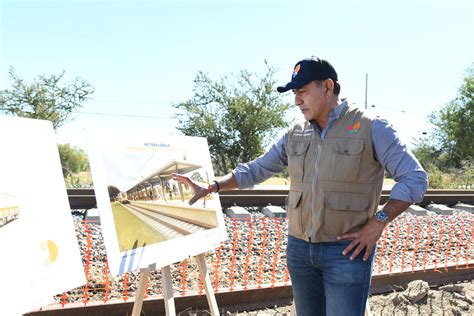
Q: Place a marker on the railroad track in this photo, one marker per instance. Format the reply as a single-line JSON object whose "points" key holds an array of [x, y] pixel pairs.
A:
{"points": [[85, 198], [253, 297], [169, 226], [269, 296]]}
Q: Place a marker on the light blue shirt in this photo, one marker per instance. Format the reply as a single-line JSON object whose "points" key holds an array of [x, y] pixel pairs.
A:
{"points": [[389, 150]]}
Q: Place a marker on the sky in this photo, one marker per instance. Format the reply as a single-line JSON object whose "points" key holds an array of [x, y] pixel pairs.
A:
{"points": [[142, 56]]}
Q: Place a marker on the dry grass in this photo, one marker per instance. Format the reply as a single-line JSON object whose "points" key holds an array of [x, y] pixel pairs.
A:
{"points": [[131, 231]]}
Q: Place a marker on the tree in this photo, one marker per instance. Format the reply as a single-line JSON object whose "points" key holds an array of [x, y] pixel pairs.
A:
{"points": [[448, 154], [454, 124], [239, 116], [45, 98], [113, 193], [73, 160]]}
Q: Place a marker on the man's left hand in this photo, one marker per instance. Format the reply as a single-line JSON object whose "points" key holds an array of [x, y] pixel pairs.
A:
{"points": [[365, 238]]}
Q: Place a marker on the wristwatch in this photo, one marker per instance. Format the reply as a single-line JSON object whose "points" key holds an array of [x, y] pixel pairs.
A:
{"points": [[382, 216]]}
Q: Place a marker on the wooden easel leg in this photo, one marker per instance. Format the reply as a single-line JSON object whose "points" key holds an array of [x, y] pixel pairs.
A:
{"points": [[168, 291], [137, 305], [211, 299]]}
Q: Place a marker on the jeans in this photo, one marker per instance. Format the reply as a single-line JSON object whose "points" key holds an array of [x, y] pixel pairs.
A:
{"points": [[324, 281]]}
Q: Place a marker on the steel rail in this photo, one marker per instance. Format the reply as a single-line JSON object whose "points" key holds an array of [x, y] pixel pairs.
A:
{"points": [[85, 198], [174, 227]]}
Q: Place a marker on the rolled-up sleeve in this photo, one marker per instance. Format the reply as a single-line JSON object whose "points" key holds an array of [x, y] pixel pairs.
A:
{"points": [[411, 180], [262, 168]]}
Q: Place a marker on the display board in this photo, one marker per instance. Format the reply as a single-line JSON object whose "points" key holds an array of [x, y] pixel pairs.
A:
{"points": [[144, 214], [40, 253]]}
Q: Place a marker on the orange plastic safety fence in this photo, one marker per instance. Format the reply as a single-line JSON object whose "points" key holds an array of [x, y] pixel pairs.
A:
{"points": [[428, 244], [234, 251], [277, 250], [440, 238], [417, 242], [145, 294], [425, 240], [249, 251], [107, 281], [382, 250], [201, 284], [459, 245], [394, 248], [184, 266], [469, 244], [63, 299], [88, 261], [125, 286], [287, 275], [446, 255], [262, 256], [407, 239], [216, 273]]}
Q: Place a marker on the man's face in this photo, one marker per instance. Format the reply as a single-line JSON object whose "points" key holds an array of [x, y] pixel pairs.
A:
{"points": [[311, 100]]}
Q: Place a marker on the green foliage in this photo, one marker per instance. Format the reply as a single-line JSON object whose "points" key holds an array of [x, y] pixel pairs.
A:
{"points": [[81, 180], [428, 155], [73, 160], [454, 124], [238, 117], [454, 178], [45, 98], [448, 154], [436, 178]]}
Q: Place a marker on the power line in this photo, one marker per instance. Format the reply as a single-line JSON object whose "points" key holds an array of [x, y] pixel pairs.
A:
{"points": [[131, 102], [376, 106], [124, 115], [398, 110]]}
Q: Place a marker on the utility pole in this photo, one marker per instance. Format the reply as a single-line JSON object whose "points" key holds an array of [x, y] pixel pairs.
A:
{"points": [[366, 82]]}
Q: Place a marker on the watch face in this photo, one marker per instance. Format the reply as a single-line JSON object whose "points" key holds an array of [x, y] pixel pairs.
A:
{"points": [[381, 216]]}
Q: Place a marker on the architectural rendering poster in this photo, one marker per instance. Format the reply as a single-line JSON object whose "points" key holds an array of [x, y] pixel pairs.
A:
{"points": [[145, 215], [40, 253]]}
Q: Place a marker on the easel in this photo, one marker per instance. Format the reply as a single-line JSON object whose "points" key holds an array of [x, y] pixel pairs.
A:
{"points": [[168, 289]]}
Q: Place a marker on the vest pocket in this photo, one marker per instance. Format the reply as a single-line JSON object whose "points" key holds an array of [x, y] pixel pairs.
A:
{"points": [[345, 166], [343, 212], [296, 151], [294, 213]]}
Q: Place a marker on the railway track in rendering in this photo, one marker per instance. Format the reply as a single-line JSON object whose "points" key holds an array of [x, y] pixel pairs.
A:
{"points": [[168, 225]]}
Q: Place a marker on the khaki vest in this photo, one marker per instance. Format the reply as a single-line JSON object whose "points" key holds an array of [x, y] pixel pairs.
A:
{"points": [[336, 182]]}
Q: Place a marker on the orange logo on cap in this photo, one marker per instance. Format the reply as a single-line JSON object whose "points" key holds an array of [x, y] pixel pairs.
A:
{"points": [[295, 71]]}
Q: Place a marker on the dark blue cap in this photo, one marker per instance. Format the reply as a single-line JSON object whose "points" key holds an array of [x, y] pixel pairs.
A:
{"points": [[308, 70]]}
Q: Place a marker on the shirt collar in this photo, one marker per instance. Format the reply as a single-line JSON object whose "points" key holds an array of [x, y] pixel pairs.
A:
{"points": [[337, 111], [334, 114]]}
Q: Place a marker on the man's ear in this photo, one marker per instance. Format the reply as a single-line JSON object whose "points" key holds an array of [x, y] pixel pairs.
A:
{"points": [[328, 86]]}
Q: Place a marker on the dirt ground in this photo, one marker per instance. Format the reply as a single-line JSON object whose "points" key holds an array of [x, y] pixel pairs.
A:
{"points": [[417, 299]]}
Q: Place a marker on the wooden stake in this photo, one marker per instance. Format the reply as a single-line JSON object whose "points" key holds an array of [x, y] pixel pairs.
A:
{"points": [[168, 291], [137, 305]]}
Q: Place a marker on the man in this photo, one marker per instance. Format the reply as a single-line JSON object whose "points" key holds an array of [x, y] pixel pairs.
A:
{"points": [[336, 161]]}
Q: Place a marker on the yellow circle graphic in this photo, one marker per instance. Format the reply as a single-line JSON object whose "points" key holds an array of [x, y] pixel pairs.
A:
{"points": [[52, 249]]}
